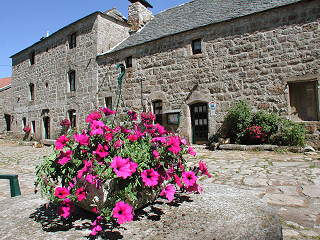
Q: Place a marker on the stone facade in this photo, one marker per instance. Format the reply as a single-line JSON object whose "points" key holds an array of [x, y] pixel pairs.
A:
{"points": [[53, 99], [251, 58], [5, 106], [259, 57]]}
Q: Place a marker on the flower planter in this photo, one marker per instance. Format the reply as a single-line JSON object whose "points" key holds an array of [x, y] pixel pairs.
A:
{"points": [[98, 197]]}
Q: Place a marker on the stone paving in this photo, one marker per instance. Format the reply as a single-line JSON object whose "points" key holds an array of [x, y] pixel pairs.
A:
{"points": [[288, 182]]}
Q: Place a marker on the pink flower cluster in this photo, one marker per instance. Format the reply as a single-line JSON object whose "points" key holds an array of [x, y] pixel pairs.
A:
{"points": [[65, 123], [151, 159], [256, 134], [27, 129], [147, 117]]}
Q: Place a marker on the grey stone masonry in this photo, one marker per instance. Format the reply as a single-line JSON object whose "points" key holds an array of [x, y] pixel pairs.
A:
{"points": [[251, 58], [5, 106], [55, 59]]}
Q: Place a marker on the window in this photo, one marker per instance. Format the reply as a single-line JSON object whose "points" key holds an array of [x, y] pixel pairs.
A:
{"points": [[129, 62], [304, 100], [157, 110], [72, 80], [72, 118], [196, 46], [32, 57], [31, 89], [108, 102], [73, 40]]}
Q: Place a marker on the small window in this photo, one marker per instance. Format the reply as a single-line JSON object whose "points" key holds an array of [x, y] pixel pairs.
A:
{"points": [[72, 80], [108, 102], [196, 46], [31, 89], [129, 62], [73, 40], [304, 100], [157, 110], [32, 57], [72, 118]]}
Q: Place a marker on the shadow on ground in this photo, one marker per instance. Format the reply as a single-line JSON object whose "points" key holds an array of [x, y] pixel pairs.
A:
{"points": [[81, 219]]}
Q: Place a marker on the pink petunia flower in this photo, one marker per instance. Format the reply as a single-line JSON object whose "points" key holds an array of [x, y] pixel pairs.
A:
{"points": [[83, 139], [101, 151], [118, 144], [66, 208], [61, 192], [189, 178], [177, 180], [156, 154], [150, 177], [81, 194], [107, 111], [108, 136], [94, 116], [96, 226], [87, 168], [193, 153], [61, 142], [133, 166], [159, 140], [97, 128], [64, 157], [174, 145], [203, 169], [169, 191], [123, 212], [91, 178], [133, 138], [121, 167], [195, 188], [161, 129], [133, 115]]}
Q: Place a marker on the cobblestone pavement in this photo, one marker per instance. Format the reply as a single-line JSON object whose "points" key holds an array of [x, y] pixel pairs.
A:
{"points": [[288, 182]]}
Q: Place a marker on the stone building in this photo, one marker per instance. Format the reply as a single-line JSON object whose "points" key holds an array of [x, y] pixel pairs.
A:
{"points": [[5, 104], [188, 64], [56, 78]]}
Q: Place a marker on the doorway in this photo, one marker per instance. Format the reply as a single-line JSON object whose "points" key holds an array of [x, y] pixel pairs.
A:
{"points": [[199, 120], [46, 125], [8, 122]]}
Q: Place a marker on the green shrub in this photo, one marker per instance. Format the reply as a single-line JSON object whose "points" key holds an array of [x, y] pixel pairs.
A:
{"points": [[243, 126], [289, 134], [268, 122], [237, 120]]}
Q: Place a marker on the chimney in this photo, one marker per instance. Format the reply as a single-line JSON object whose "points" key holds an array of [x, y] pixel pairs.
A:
{"points": [[138, 14]]}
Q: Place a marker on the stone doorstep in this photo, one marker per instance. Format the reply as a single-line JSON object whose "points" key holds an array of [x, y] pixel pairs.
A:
{"points": [[48, 142], [240, 147]]}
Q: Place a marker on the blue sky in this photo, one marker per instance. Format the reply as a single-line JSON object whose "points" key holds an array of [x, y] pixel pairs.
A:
{"points": [[24, 22]]}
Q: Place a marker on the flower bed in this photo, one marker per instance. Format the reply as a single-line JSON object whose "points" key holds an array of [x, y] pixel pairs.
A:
{"points": [[112, 169]]}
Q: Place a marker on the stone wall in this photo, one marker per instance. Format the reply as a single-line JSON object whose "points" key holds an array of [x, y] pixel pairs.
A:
{"points": [[247, 58], [53, 61], [5, 107]]}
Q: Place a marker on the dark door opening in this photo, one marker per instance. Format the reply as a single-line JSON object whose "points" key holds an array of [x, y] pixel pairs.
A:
{"points": [[46, 124], [8, 121], [199, 120]]}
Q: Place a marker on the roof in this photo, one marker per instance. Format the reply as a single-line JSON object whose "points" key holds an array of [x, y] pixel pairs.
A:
{"points": [[5, 83], [195, 14]]}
